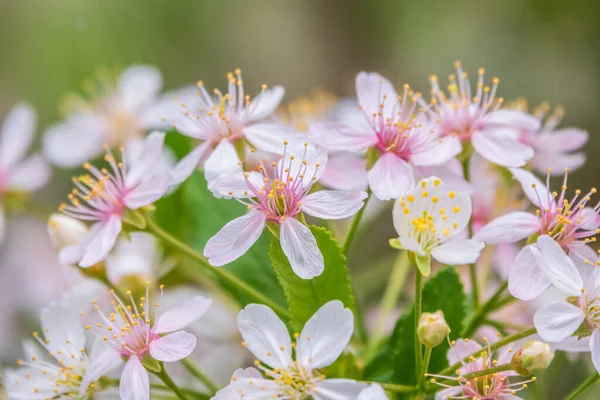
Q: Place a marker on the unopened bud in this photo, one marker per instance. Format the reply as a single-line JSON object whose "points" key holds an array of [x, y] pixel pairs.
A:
{"points": [[432, 329], [65, 231], [531, 357]]}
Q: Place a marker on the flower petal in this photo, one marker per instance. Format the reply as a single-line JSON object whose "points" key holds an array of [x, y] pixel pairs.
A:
{"points": [[186, 166], [373, 392], [234, 239], [526, 281], [534, 189], [243, 373], [145, 158], [178, 318], [16, 134], [557, 162], [501, 147], [595, 348], [138, 86], [325, 336], [2, 223], [30, 175], [558, 320], [265, 335], [557, 266], [236, 184], [102, 242], [101, 364], [439, 153], [336, 136], [250, 389], [223, 160], [562, 140], [345, 172], [148, 191], [173, 347], [295, 158], [300, 247], [265, 103], [458, 252], [372, 90], [333, 204], [462, 349], [338, 389], [514, 119], [269, 137], [135, 383], [390, 176], [62, 330], [509, 228]]}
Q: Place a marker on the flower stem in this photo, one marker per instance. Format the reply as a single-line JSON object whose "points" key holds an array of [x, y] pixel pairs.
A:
{"points": [[398, 388], [354, 225], [223, 274], [201, 376], [480, 315], [163, 376], [583, 387], [423, 375], [418, 309], [489, 371]]}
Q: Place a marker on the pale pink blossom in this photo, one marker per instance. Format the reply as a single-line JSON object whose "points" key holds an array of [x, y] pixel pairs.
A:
{"points": [[224, 121], [18, 173], [105, 197], [136, 329], [567, 221], [393, 135], [279, 194], [322, 340], [475, 119], [373, 392], [578, 314], [428, 219]]}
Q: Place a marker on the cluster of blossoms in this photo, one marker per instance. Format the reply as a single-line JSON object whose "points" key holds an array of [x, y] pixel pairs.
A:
{"points": [[457, 166]]}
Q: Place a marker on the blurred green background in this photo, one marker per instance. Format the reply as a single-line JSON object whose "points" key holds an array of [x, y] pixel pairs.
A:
{"points": [[546, 50]]}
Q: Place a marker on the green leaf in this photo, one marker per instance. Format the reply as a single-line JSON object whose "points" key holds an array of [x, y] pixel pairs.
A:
{"points": [[306, 296], [423, 263], [346, 366], [395, 361]]}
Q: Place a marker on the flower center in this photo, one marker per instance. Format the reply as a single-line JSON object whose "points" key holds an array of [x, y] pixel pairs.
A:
{"points": [[295, 380]]}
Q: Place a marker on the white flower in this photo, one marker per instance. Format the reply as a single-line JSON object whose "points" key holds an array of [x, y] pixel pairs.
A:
{"points": [[373, 392], [322, 341], [429, 217]]}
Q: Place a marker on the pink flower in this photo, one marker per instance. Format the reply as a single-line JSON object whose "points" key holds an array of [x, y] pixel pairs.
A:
{"points": [[134, 331], [18, 174], [494, 386], [569, 222], [580, 283], [279, 194], [322, 341], [105, 197], [478, 120], [226, 120], [393, 133]]}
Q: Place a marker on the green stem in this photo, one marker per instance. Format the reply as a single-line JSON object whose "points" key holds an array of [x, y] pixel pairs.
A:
{"points": [[489, 371], [201, 376], [398, 388], [583, 387], [422, 377], [190, 392], [477, 318], [163, 376], [390, 297], [418, 309], [222, 273], [354, 225]]}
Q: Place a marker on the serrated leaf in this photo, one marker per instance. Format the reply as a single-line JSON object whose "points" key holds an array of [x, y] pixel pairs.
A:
{"points": [[306, 296], [395, 362]]}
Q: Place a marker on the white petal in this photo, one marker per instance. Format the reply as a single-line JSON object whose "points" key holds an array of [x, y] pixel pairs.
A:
{"points": [[242, 373], [312, 155], [301, 249], [534, 189], [138, 86], [252, 389], [236, 184], [223, 160], [557, 321], [145, 158], [173, 347], [557, 266], [462, 349], [449, 393], [390, 176], [509, 228], [102, 242], [500, 147], [373, 392], [265, 103], [16, 134], [370, 91], [265, 335], [234, 239], [338, 389], [188, 164], [137, 255], [514, 119], [557, 162], [441, 152], [573, 344], [101, 364], [269, 137], [458, 252], [345, 172], [325, 336], [595, 348], [149, 190], [135, 384], [178, 318], [30, 175], [62, 329], [526, 281], [333, 204], [337, 136]]}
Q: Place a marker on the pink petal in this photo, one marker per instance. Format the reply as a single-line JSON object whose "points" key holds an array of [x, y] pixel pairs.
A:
{"points": [[265, 335], [526, 281], [30, 175], [148, 191], [557, 266], [501, 147], [345, 172], [188, 164], [145, 160], [534, 189], [562, 140], [514, 119], [223, 160], [390, 176], [461, 350], [234, 239], [102, 242], [333, 204], [558, 320], [370, 91], [135, 384], [312, 155], [236, 184], [509, 228], [300, 247], [173, 347], [557, 162], [178, 318], [458, 252], [439, 153], [269, 137], [265, 103], [138, 86], [325, 336], [337, 136], [16, 134]]}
